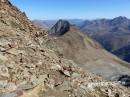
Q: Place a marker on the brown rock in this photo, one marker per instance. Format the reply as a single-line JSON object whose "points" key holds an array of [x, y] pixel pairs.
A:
{"points": [[4, 72]]}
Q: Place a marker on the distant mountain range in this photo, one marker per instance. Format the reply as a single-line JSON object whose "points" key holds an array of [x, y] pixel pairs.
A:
{"points": [[47, 24], [112, 34], [77, 46]]}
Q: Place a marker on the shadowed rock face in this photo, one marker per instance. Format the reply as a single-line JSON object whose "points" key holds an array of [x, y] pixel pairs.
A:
{"points": [[60, 28], [124, 79]]}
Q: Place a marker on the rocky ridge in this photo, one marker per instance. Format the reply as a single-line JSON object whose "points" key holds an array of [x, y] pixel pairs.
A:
{"points": [[60, 28], [28, 68], [76, 46], [112, 34]]}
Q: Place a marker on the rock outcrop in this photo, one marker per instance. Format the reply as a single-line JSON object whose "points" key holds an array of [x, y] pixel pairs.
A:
{"points": [[60, 28], [122, 79]]}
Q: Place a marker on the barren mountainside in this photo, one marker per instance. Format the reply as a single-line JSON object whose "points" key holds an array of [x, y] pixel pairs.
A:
{"points": [[112, 34], [87, 53], [29, 68]]}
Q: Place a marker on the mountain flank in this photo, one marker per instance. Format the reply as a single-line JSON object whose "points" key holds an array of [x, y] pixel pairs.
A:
{"points": [[112, 34], [87, 53]]}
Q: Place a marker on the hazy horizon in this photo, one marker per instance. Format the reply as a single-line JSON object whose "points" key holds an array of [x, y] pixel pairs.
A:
{"points": [[73, 9], [78, 19]]}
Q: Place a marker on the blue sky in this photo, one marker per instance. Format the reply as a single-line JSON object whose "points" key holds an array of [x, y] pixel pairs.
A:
{"points": [[73, 9]]}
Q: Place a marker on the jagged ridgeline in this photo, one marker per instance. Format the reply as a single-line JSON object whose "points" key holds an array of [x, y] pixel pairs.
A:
{"points": [[28, 68], [76, 46]]}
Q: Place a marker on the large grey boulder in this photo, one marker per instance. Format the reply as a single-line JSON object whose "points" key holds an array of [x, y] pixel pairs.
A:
{"points": [[60, 28]]}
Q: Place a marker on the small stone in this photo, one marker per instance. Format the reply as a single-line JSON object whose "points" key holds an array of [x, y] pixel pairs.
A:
{"points": [[10, 66], [117, 95], [42, 78], [51, 83], [13, 51], [11, 87], [65, 86], [67, 73], [25, 85], [7, 86], [75, 75], [4, 72], [3, 83], [2, 49], [56, 67], [3, 58], [34, 81]]}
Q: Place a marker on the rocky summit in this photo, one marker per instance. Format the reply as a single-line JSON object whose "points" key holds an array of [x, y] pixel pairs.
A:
{"points": [[29, 68], [60, 28]]}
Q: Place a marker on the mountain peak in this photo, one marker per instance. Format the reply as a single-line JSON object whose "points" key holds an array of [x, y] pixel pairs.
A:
{"points": [[121, 19], [60, 28]]}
